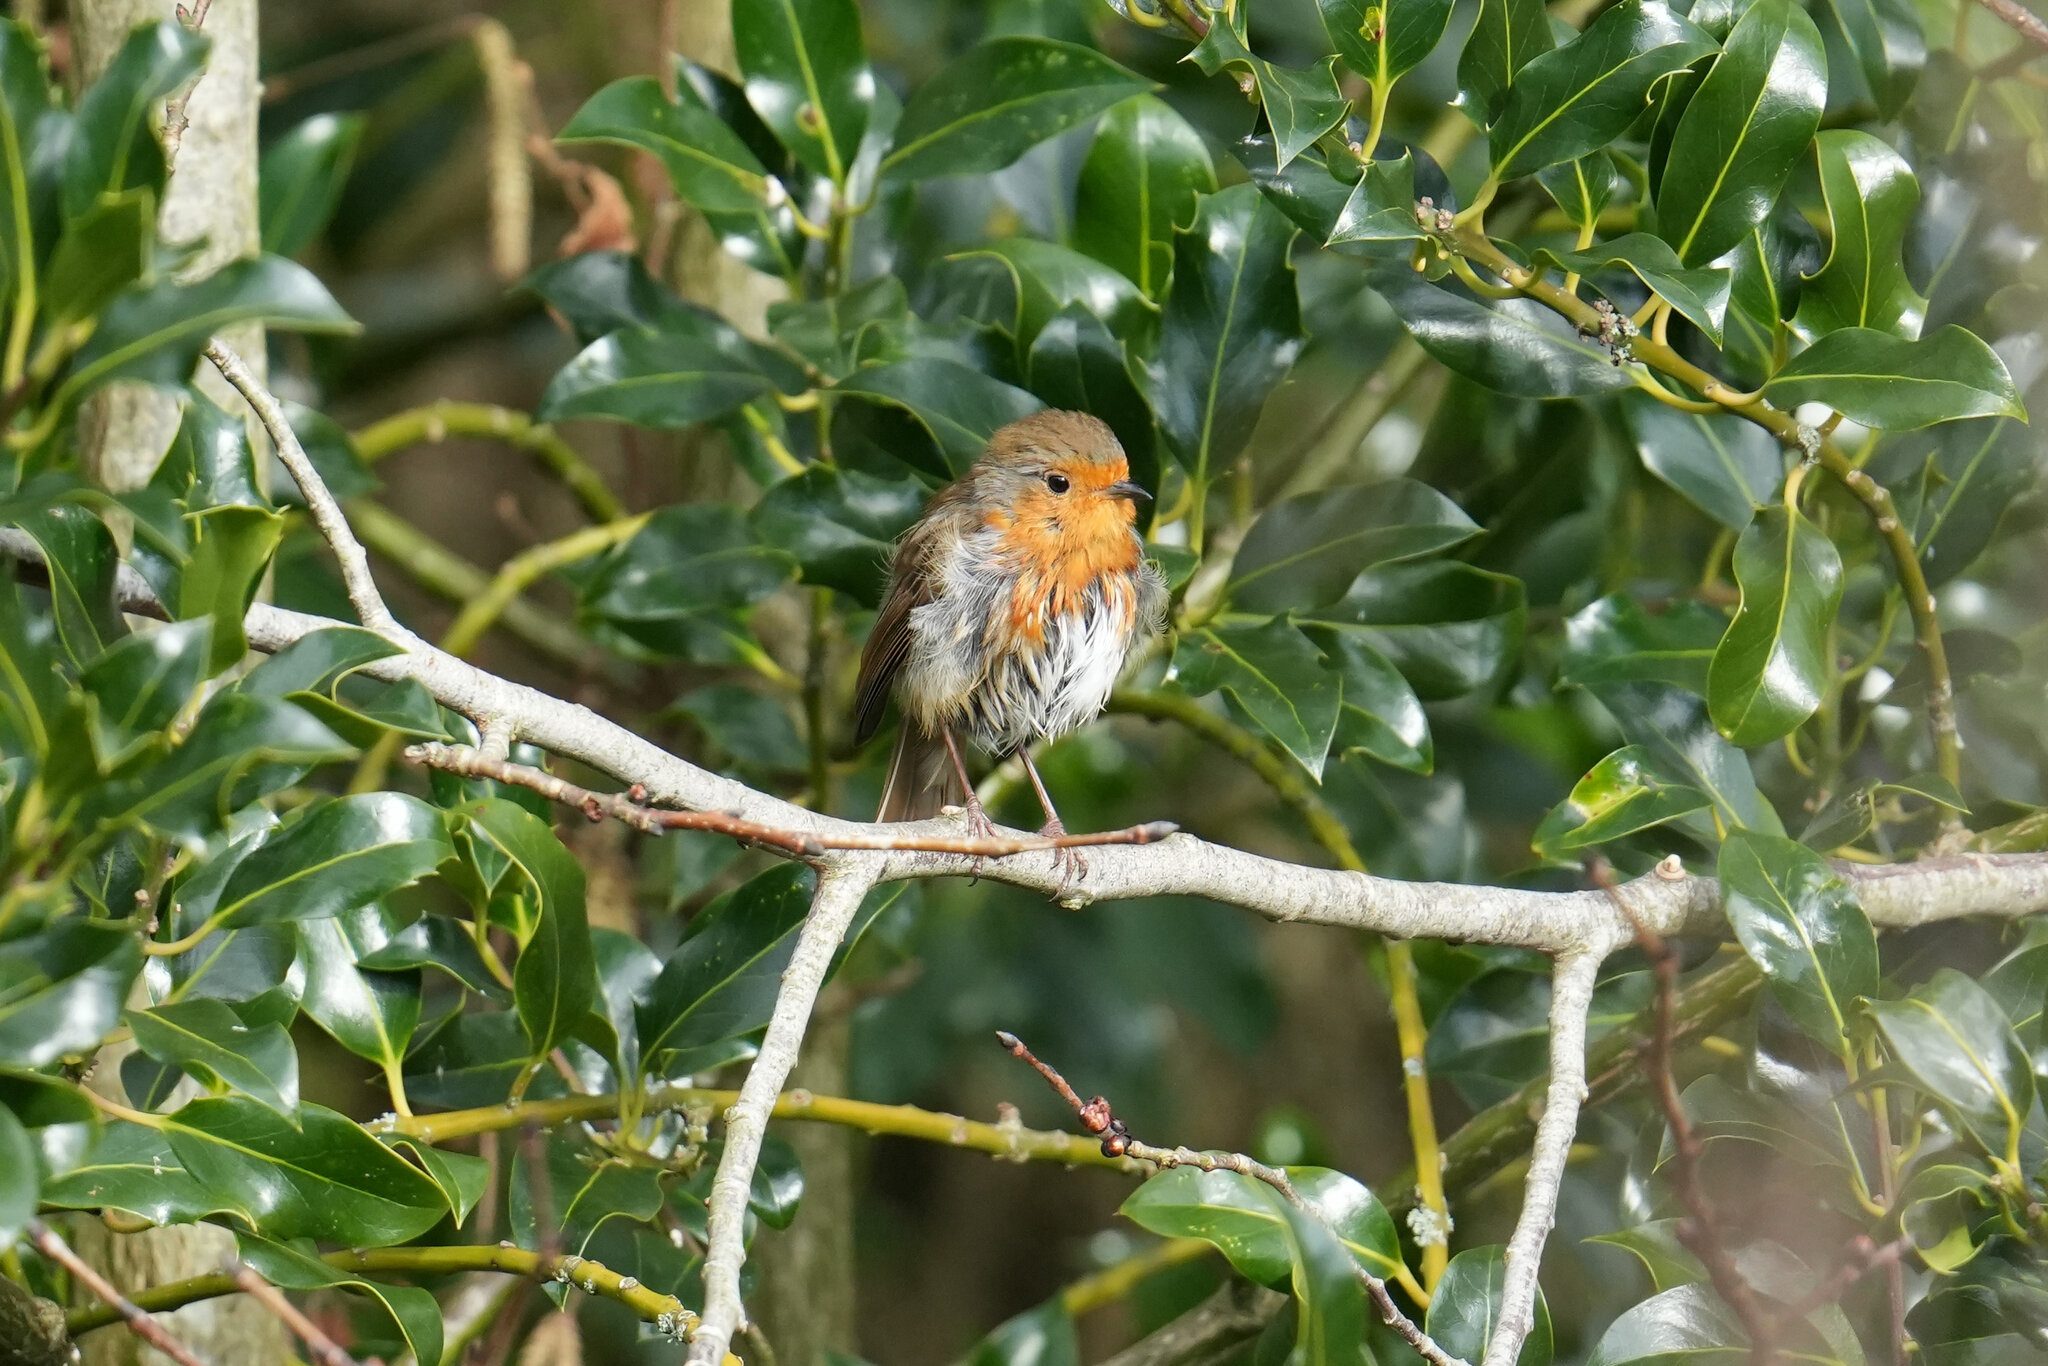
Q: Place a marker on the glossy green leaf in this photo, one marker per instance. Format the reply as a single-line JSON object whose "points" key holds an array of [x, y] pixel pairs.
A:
{"points": [[154, 333], [748, 727], [19, 1177], [1746, 127], [707, 163], [101, 252], [1507, 35], [211, 1044], [1871, 194], [1581, 187], [142, 680], [1954, 484], [1301, 104], [131, 1168], [807, 75], [670, 379], [1232, 1212], [1851, 813], [24, 102], [1304, 191], [1382, 42], [960, 408], [579, 1191], [1656, 1245], [61, 991], [346, 853], [1886, 40], [1048, 277], [1274, 675], [1800, 923], [1380, 715], [412, 1310], [555, 980], [1304, 551], [327, 1179], [1582, 96], [461, 1177], [1512, 346], [1466, 1306], [80, 559], [600, 292], [1895, 383], [373, 1014], [1723, 465], [688, 559], [442, 942], [1773, 666], [1144, 173], [1698, 294], [1040, 1336], [301, 178], [1687, 1323], [1769, 266], [778, 1186], [231, 550], [839, 525], [1000, 100], [1449, 628], [720, 982], [1943, 1209], [113, 144], [315, 662], [210, 463], [1623, 793], [1231, 328], [1382, 206], [1961, 1050]]}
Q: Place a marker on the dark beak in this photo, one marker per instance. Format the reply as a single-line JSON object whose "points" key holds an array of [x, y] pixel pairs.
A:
{"points": [[1128, 488]]}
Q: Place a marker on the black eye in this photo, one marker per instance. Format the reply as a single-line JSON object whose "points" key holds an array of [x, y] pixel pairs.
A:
{"points": [[1057, 482]]}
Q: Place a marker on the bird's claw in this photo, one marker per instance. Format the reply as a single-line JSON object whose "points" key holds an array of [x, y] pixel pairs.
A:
{"points": [[979, 827], [1070, 863]]}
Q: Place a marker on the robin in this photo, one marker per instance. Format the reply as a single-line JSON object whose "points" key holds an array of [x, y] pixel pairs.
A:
{"points": [[1012, 605]]}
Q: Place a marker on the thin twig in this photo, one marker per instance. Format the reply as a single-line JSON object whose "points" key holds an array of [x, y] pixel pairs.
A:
{"points": [[175, 119], [139, 1323], [631, 808], [324, 1349], [833, 906], [320, 503], [2020, 20], [1099, 1118]]}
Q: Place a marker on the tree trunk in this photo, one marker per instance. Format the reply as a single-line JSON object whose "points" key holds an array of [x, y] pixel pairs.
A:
{"points": [[122, 436]]}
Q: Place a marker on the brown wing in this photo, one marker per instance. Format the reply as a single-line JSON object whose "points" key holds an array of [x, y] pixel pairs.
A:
{"points": [[912, 582]]}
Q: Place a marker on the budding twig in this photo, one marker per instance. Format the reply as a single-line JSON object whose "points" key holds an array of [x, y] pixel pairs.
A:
{"points": [[631, 808], [1098, 1117], [324, 1350], [139, 1323]]}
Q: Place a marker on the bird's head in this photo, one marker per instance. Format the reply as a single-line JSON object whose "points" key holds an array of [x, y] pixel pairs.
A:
{"points": [[1061, 471]]}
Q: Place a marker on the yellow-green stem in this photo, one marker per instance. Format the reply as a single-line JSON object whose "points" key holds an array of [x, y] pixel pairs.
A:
{"points": [[438, 421], [1293, 789]]}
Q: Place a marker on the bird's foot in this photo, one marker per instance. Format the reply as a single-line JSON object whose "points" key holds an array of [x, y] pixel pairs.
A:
{"points": [[979, 827], [1070, 863]]}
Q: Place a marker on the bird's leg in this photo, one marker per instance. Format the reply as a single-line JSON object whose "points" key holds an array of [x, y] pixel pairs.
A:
{"points": [[978, 823], [1072, 866]]}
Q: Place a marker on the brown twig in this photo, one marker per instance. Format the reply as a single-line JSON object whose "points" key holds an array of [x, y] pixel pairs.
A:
{"points": [[142, 1325], [2020, 20], [631, 808], [324, 1350], [1764, 1321], [1099, 1118]]}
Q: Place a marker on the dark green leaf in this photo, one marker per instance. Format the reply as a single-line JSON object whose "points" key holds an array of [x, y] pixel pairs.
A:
{"points": [[1851, 814], [555, 980], [154, 333], [19, 1177], [231, 549], [372, 1014], [1699, 294], [1513, 346], [1301, 104], [1380, 716], [778, 1186], [327, 1179], [1623, 793], [113, 146], [461, 1177], [412, 1310], [301, 177], [1043, 1336], [750, 727], [101, 252], [1466, 1306], [1885, 38], [1382, 206], [315, 662], [601, 292], [667, 379], [1381, 42], [1274, 675], [1305, 551], [1506, 37], [807, 76], [442, 942], [1769, 265], [1723, 465], [1959, 1046], [1954, 484], [720, 982], [840, 525], [1304, 191], [210, 463], [1582, 96], [1890, 382], [1231, 329], [1687, 1323], [24, 103], [210, 1043], [1745, 128], [1871, 194], [1771, 668], [346, 853], [961, 408], [1581, 187], [706, 162], [582, 1188], [61, 991], [1144, 173], [1000, 100], [1449, 628], [131, 1168], [1943, 1208], [1800, 923], [689, 558], [139, 684], [80, 559], [1048, 277]]}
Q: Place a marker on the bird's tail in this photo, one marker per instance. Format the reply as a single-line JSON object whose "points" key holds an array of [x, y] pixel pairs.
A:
{"points": [[921, 777]]}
